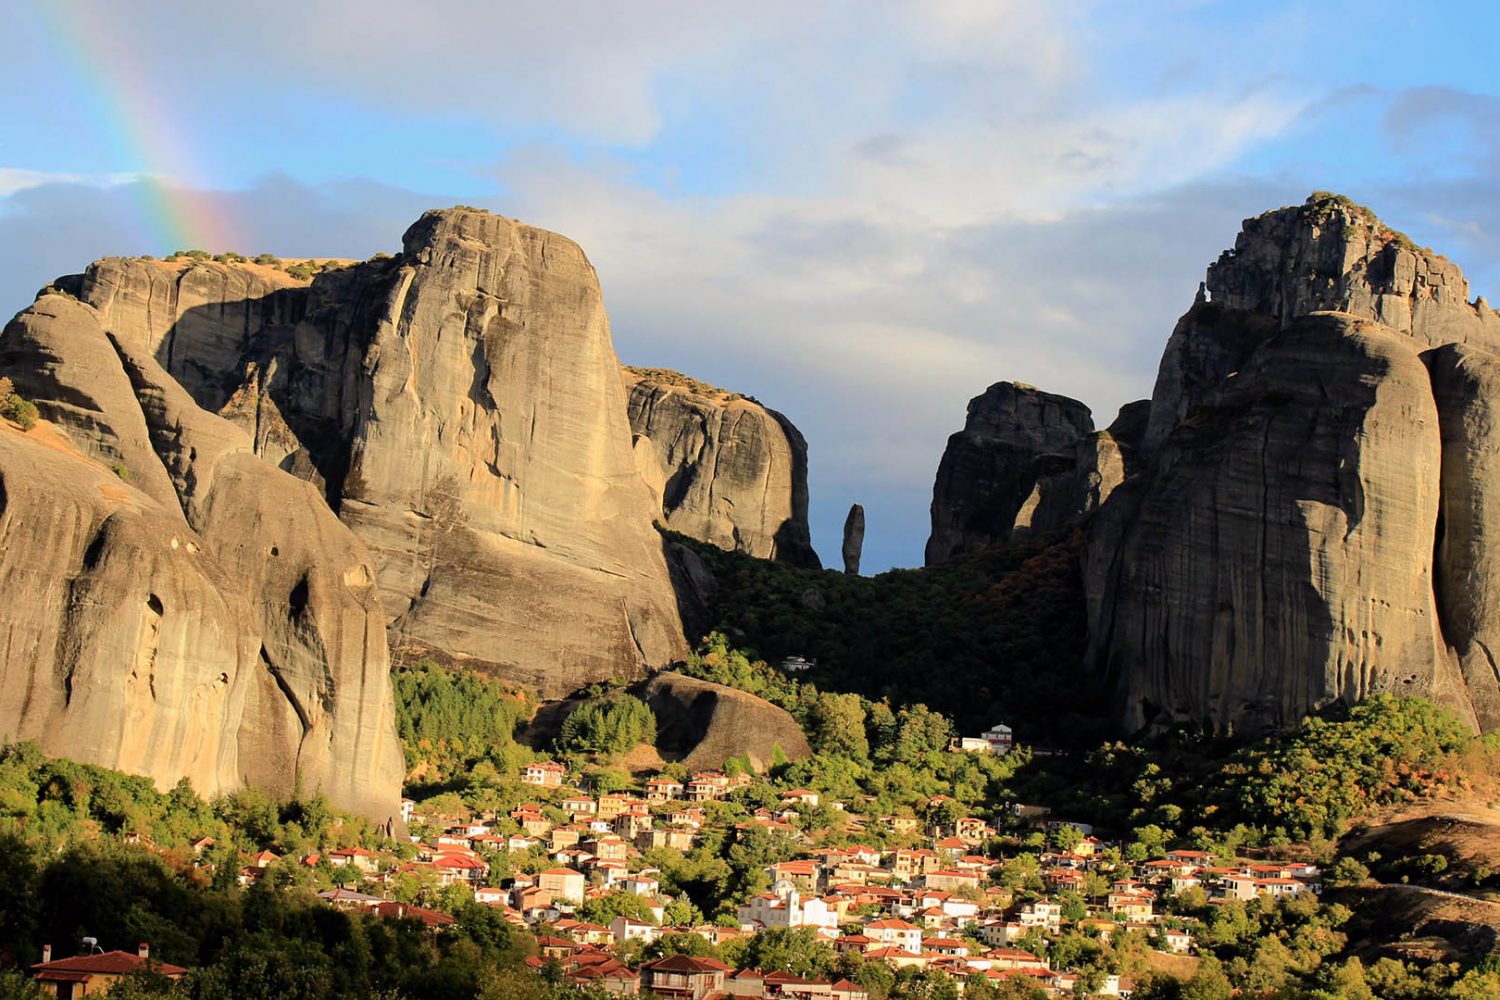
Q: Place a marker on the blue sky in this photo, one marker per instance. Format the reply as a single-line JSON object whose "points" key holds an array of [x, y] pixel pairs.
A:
{"points": [[861, 213]]}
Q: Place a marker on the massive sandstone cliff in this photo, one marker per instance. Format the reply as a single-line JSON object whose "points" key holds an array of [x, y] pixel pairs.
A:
{"points": [[1315, 522], [731, 472], [460, 406], [175, 606]]}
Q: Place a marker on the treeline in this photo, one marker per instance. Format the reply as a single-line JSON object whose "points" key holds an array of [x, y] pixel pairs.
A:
{"points": [[53, 803], [268, 941], [1307, 785], [450, 721], [996, 635]]}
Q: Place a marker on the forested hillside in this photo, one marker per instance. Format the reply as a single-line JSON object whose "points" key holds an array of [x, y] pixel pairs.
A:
{"points": [[996, 635]]}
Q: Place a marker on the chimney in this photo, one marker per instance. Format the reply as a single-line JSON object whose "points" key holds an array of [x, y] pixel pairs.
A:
{"points": [[143, 950], [46, 953]]}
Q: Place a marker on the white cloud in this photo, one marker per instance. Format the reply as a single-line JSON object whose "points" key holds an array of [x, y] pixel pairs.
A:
{"points": [[16, 179]]}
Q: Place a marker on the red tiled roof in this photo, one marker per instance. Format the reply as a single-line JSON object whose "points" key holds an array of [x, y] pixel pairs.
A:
{"points": [[686, 964], [109, 963]]}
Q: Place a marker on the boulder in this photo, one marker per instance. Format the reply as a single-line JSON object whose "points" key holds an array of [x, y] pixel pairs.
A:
{"points": [[706, 723]]}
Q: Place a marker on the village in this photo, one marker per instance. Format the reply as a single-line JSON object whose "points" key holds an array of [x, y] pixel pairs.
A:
{"points": [[951, 903]]}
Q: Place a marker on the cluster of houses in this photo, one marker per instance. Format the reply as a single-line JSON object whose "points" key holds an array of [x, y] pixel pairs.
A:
{"points": [[941, 906], [683, 976]]}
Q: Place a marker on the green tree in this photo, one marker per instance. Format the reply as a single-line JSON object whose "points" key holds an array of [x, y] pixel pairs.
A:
{"points": [[603, 909], [608, 727], [838, 726]]}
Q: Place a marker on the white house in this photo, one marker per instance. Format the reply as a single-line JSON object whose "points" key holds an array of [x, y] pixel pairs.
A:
{"points": [[784, 906], [629, 929], [999, 737], [896, 933]]}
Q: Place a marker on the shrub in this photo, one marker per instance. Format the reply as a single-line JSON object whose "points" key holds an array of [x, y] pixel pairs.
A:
{"points": [[19, 410], [270, 260], [51, 289], [302, 271], [121, 469]]}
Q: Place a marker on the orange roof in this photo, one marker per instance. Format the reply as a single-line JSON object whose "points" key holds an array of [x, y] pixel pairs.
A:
{"points": [[109, 963]]}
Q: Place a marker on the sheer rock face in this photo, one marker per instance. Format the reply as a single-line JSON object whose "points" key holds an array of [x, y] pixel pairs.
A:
{"points": [[1466, 384], [461, 407], [201, 614], [733, 473], [1280, 555], [1313, 523], [1015, 436], [1071, 487]]}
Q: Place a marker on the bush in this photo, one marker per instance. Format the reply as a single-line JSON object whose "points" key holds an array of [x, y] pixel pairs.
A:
{"points": [[18, 410], [121, 469], [302, 271], [270, 260]]}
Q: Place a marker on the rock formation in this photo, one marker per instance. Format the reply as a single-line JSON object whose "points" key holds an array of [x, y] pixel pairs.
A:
{"points": [[1314, 521], [190, 610], [1466, 386], [708, 723], [854, 539], [1328, 254], [1015, 436], [731, 472], [461, 407], [1280, 555]]}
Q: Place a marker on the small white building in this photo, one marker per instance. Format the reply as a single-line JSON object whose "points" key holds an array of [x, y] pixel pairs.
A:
{"points": [[784, 906], [999, 737], [629, 929]]}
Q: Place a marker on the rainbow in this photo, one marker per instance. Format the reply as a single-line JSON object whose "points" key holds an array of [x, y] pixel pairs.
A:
{"points": [[135, 118]]}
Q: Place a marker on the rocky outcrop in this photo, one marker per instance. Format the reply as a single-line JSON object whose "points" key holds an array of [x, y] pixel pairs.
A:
{"points": [[1280, 554], [1313, 523], [461, 407], [854, 539], [706, 724], [1015, 438], [733, 473], [191, 611], [1328, 254]]}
